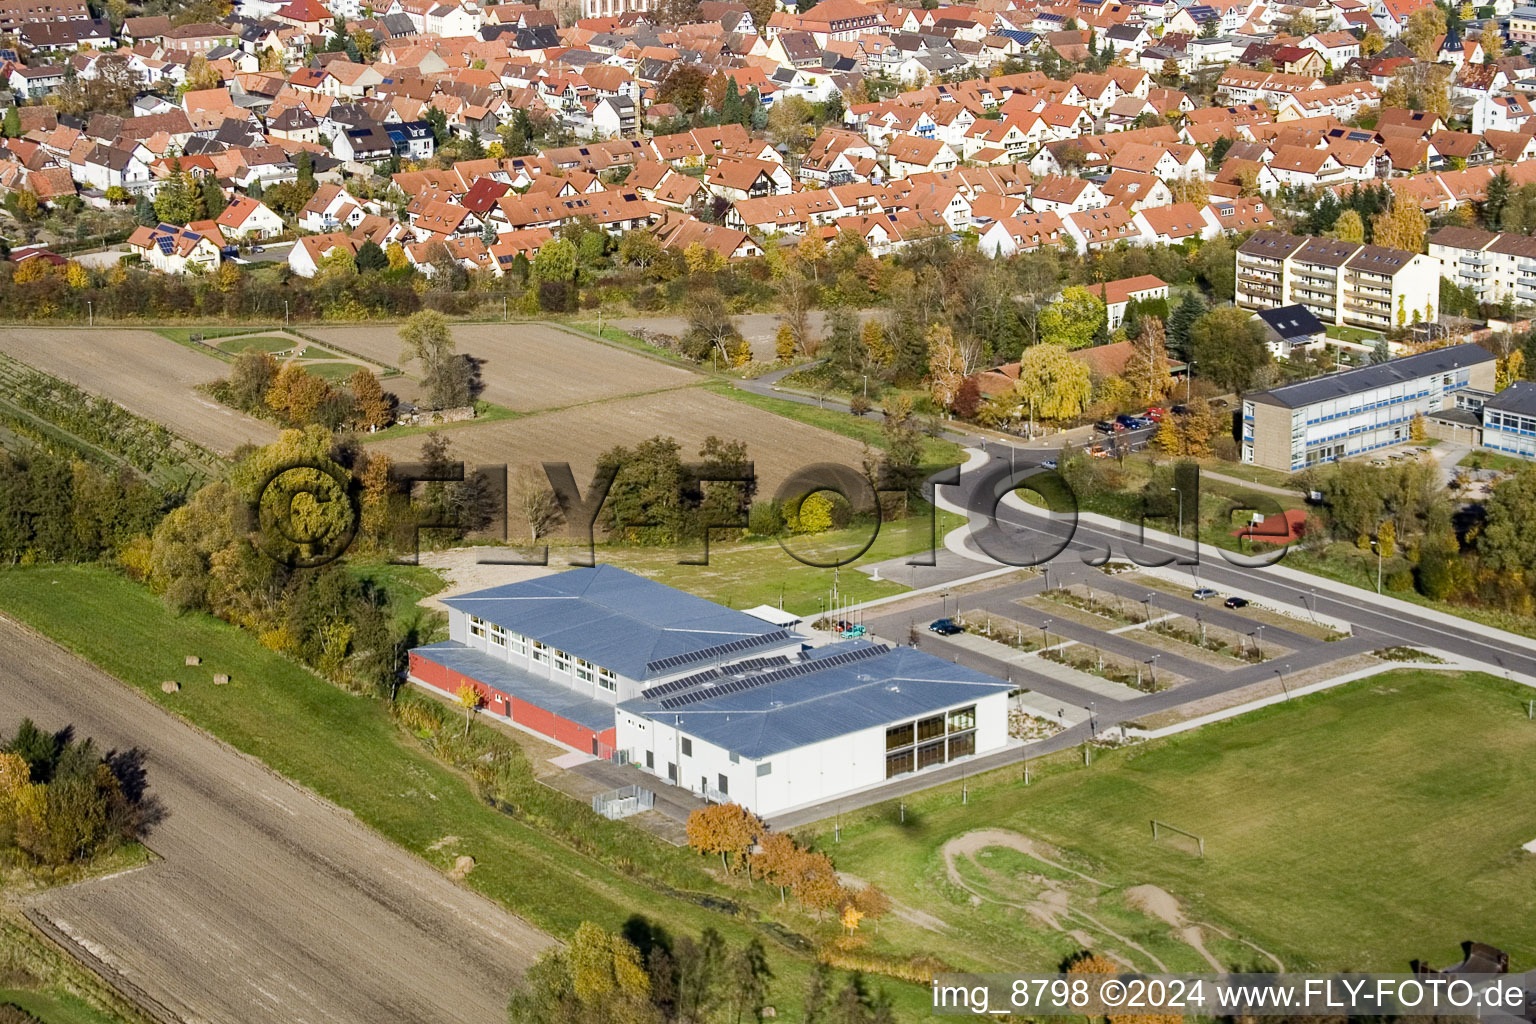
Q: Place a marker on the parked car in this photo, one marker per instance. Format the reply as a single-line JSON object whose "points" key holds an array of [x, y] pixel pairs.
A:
{"points": [[1098, 451], [945, 627], [1236, 602], [258, 248], [1181, 410], [1104, 427], [1049, 464], [1155, 414], [1141, 422], [1203, 594], [1124, 422]]}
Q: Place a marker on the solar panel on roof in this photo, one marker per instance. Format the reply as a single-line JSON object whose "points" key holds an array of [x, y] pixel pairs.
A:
{"points": [[719, 650], [751, 682]]}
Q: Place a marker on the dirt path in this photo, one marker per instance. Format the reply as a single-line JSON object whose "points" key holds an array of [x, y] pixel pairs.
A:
{"points": [[269, 905], [1054, 907], [903, 912]]}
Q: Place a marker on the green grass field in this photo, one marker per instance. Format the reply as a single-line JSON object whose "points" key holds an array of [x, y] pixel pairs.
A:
{"points": [[346, 749], [744, 575], [264, 343], [1357, 828], [860, 428]]}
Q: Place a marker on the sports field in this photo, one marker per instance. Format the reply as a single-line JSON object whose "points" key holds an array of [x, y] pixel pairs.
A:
{"points": [[1359, 828]]}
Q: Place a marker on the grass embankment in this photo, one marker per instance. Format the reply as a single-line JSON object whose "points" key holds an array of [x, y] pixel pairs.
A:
{"points": [[860, 428], [1481, 458], [347, 749], [1353, 829], [51, 987]]}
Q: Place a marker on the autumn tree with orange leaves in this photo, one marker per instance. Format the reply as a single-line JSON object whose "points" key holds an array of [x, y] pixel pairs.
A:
{"points": [[727, 829]]}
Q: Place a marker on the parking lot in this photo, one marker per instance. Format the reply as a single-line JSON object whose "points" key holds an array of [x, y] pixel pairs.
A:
{"points": [[1081, 640]]}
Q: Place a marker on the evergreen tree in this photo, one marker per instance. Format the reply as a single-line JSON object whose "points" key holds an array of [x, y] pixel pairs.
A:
{"points": [[12, 123], [144, 212], [1180, 321], [213, 197], [730, 104], [371, 257], [305, 164], [843, 349], [1497, 199], [474, 149], [1380, 353]]}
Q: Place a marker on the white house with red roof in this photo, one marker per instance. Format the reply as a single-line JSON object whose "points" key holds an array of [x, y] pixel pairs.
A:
{"points": [[247, 218]]}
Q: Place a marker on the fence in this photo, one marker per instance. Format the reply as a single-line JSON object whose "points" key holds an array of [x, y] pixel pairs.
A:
{"points": [[622, 802]]}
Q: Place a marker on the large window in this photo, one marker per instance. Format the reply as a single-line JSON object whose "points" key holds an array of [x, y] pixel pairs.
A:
{"points": [[498, 635], [607, 680], [583, 670], [476, 626], [562, 662], [687, 747], [540, 652], [518, 643], [913, 746]]}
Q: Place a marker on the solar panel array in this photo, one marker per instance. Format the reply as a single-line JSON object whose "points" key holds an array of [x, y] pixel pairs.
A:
{"points": [[752, 682], [719, 650], [700, 678]]}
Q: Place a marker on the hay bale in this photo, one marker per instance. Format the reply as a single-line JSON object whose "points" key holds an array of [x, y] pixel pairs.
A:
{"points": [[170, 686], [220, 678], [193, 661], [462, 866]]}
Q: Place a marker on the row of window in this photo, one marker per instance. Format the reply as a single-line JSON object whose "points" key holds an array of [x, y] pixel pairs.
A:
{"points": [[913, 746], [564, 663], [1509, 421]]}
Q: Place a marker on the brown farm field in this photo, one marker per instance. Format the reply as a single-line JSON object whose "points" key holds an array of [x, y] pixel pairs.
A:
{"points": [[778, 445], [525, 367], [144, 373]]}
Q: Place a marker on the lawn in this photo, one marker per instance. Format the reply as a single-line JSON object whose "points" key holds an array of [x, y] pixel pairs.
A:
{"points": [[334, 370], [265, 343], [1352, 334], [744, 575], [1481, 458], [183, 335], [347, 749], [860, 428], [1357, 828]]}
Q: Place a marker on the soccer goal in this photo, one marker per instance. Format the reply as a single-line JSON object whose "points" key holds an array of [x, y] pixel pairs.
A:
{"points": [[1158, 827]]}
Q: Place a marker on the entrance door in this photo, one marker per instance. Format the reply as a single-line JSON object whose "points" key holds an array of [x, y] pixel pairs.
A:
{"points": [[672, 773]]}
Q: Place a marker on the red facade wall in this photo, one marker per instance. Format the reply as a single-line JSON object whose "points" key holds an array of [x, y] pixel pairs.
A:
{"points": [[524, 713]]}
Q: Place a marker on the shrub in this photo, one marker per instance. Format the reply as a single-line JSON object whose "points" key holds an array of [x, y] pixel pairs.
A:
{"points": [[1400, 581], [765, 519]]}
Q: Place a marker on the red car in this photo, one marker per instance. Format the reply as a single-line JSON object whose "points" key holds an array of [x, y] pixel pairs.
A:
{"points": [[1155, 414]]}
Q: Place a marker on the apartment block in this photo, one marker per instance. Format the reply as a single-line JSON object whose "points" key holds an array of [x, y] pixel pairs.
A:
{"points": [[1342, 414], [1495, 266], [1341, 283], [1509, 420]]}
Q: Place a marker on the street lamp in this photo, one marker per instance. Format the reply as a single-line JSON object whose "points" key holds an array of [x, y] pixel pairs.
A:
{"points": [[1093, 720], [1147, 601], [866, 384], [1281, 673], [1377, 546], [1045, 634], [90, 313], [1258, 640], [1152, 664], [285, 313], [1180, 493]]}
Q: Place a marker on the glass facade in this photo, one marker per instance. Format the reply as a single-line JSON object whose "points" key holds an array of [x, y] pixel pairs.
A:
{"points": [[913, 746]]}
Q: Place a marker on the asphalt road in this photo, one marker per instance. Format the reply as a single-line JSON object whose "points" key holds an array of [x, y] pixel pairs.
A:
{"points": [[268, 904]]}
